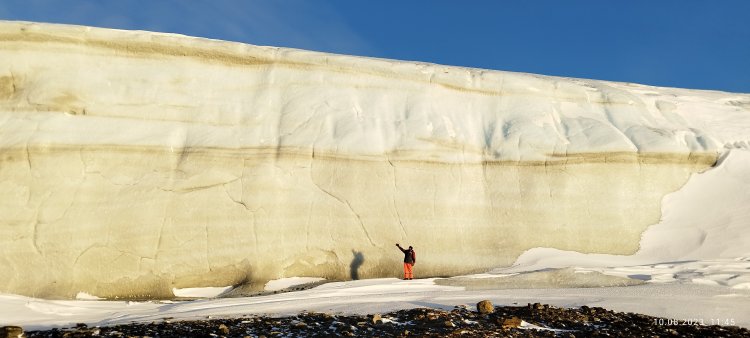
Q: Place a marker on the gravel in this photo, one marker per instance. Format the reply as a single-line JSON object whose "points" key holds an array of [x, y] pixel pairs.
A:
{"points": [[535, 320]]}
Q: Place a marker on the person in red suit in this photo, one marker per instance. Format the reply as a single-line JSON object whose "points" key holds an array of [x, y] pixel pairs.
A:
{"points": [[409, 259]]}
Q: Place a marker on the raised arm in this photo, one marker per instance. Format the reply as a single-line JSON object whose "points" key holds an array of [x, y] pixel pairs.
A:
{"points": [[400, 248]]}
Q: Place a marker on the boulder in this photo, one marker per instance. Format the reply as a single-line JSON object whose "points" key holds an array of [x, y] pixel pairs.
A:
{"points": [[11, 332], [485, 307]]}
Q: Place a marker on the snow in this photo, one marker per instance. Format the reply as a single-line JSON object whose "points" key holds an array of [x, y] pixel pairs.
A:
{"points": [[86, 296], [285, 283], [347, 105], [704, 226], [380, 296], [205, 292], [528, 326]]}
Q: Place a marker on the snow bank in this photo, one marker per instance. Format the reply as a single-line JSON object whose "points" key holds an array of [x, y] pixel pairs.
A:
{"points": [[705, 222]]}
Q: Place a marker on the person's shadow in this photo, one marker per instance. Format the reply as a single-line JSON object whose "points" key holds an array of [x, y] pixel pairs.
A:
{"points": [[359, 258]]}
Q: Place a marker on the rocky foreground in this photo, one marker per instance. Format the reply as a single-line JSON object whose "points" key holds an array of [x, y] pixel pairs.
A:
{"points": [[533, 320]]}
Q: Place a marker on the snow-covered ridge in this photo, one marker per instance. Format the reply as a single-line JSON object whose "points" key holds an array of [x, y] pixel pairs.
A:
{"points": [[184, 92]]}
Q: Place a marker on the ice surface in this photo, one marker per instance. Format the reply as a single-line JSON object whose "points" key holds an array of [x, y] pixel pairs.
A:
{"points": [[135, 163]]}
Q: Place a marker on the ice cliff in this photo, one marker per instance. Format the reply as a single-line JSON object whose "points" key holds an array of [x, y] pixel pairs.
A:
{"points": [[135, 162]]}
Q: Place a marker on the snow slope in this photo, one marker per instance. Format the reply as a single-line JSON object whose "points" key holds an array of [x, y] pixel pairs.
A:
{"points": [[708, 219]]}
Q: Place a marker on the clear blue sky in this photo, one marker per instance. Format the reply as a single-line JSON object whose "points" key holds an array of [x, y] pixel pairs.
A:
{"points": [[676, 43]]}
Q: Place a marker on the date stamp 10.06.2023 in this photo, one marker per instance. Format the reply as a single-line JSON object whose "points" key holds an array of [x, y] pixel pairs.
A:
{"points": [[695, 321]]}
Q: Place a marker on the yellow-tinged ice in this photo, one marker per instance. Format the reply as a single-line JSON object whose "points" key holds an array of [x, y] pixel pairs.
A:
{"points": [[132, 163]]}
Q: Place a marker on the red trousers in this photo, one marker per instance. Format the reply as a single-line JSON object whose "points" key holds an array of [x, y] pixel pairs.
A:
{"points": [[408, 271]]}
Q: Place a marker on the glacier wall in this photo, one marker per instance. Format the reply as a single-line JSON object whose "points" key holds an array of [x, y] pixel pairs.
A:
{"points": [[135, 162]]}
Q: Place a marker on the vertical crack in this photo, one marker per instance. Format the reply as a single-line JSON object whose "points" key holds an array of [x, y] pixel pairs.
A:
{"points": [[36, 238], [393, 197], [208, 262], [161, 235], [434, 195], [307, 226], [342, 201], [28, 157], [361, 224], [255, 232]]}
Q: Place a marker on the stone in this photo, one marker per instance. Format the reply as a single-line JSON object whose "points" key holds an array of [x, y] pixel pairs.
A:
{"points": [[377, 319], [485, 307], [11, 332], [510, 323], [449, 324], [223, 329]]}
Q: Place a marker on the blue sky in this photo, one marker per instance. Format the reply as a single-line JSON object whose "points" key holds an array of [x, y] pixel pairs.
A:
{"points": [[676, 43]]}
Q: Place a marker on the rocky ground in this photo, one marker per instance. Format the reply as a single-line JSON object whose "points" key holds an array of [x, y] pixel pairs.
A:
{"points": [[533, 320]]}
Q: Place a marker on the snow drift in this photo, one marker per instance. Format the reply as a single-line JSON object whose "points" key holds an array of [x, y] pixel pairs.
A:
{"points": [[132, 163]]}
